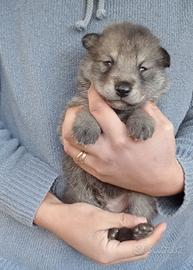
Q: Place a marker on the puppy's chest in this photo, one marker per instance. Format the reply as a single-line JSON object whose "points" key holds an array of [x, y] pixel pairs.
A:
{"points": [[118, 204]]}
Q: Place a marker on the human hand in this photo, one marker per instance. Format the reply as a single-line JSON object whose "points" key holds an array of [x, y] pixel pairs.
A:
{"points": [[145, 166], [85, 228]]}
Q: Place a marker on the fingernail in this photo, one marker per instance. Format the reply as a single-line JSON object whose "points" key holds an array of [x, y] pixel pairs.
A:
{"points": [[164, 226]]}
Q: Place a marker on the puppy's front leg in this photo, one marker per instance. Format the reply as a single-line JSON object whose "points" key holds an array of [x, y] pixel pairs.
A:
{"points": [[140, 125], [85, 129]]}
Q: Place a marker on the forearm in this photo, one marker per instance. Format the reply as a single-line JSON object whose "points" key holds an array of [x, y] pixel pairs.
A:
{"points": [[24, 178]]}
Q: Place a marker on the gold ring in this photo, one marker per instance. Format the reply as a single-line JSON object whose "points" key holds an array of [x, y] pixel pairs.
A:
{"points": [[80, 158]]}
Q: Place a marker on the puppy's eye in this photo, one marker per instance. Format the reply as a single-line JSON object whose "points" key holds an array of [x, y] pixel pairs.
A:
{"points": [[108, 63], [142, 69]]}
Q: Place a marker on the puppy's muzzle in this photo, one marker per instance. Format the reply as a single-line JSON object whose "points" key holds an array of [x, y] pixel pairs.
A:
{"points": [[123, 88]]}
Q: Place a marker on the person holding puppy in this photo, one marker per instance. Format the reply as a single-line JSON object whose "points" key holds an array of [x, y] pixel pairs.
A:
{"points": [[39, 53]]}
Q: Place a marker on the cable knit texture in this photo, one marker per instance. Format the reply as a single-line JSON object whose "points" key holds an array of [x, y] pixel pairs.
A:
{"points": [[39, 55]]}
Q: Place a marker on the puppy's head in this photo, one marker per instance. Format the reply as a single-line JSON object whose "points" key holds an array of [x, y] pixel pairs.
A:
{"points": [[126, 64]]}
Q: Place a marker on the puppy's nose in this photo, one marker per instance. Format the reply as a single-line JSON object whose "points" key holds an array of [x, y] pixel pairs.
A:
{"points": [[123, 88]]}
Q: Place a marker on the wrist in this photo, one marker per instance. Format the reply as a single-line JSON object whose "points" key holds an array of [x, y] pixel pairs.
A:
{"points": [[174, 180], [45, 212], [54, 216], [178, 178]]}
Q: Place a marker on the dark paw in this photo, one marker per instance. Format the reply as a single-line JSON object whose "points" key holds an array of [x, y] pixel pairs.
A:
{"points": [[112, 234], [121, 235], [85, 136], [85, 129], [140, 130], [142, 230]]}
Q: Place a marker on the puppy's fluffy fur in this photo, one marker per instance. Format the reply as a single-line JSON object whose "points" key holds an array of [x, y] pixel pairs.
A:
{"points": [[126, 64]]}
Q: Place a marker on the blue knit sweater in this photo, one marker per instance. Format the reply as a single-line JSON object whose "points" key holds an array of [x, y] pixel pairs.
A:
{"points": [[39, 55]]}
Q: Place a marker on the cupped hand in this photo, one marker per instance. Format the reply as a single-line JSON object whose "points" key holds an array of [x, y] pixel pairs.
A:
{"points": [[85, 228], [147, 166]]}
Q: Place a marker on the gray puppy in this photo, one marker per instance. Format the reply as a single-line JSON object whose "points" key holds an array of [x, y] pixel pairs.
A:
{"points": [[126, 64]]}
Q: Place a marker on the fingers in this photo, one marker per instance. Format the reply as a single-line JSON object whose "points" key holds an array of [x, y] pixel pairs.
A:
{"points": [[136, 258], [88, 162], [68, 123], [131, 249], [119, 220], [146, 244], [108, 120], [154, 111], [112, 262], [102, 112], [105, 116], [158, 116], [73, 151]]}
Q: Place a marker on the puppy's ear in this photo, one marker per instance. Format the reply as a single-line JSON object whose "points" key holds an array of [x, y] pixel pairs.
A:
{"points": [[90, 40], [165, 61]]}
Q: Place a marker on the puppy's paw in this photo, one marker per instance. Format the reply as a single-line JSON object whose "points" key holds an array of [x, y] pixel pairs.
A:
{"points": [[142, 230], [122, 234], [140, 128], [85, 129]]}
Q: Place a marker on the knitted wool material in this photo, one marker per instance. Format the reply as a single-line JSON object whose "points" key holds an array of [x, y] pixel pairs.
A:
{"points": [[40, 50]]}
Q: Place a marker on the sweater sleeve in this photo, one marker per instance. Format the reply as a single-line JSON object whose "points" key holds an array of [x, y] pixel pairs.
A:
{"points": [[24, 179], [172, 205]]}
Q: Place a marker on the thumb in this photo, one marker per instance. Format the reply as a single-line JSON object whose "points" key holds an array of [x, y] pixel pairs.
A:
{"points": [[108, 120], [155, 112], [119, 220]]}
